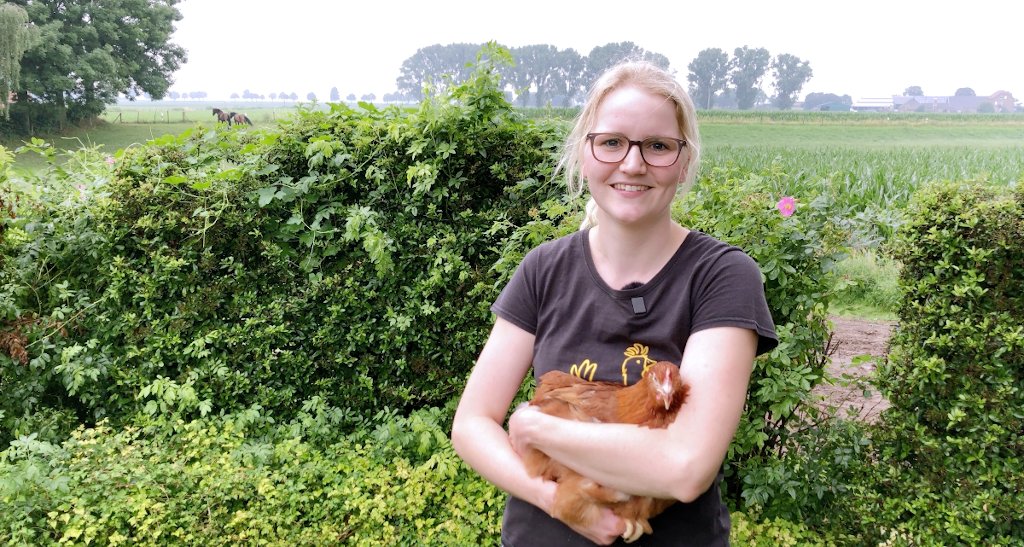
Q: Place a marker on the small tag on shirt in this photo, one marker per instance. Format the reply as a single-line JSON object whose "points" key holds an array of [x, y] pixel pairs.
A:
{"points": [[639, 306]]}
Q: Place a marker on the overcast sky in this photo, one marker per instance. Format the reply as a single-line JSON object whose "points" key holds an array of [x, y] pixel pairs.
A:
{"points": [[865, 48]]}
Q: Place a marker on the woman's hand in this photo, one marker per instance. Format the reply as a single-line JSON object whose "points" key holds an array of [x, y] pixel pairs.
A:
{"points": [[605, 530], [520, 424]]}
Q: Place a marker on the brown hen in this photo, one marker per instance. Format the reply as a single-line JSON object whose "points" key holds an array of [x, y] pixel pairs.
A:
{"points": [[652, 402]]}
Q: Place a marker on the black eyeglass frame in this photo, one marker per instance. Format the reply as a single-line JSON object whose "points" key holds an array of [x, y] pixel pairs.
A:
{"points": [[639, 145]]}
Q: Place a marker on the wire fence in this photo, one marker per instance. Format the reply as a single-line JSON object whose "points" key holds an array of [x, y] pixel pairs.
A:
{"points": [[189, 115]]}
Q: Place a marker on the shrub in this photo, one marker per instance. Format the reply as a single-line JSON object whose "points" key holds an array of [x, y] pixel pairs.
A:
{"points": [[346, 256], [947, 455], [213, 483], [796, 255], [747, 532]]}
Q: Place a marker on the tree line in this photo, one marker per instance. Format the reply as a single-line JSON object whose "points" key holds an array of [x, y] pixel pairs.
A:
{"points": [[543, 75], [63, 61]]}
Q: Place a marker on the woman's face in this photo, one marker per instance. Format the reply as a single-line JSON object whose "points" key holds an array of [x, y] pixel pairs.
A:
{"points": [[631, 191]]}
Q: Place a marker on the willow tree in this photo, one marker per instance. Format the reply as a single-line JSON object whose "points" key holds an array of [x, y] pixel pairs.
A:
{"points": [[16, 35]]}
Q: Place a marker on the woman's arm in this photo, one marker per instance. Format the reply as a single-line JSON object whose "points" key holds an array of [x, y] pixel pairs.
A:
{"points": [[478, 433], [678, 462], [480, 439]]}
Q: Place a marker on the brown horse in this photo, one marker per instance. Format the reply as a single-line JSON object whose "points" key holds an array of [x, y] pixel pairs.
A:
{"points": [[222, 116], [239, 118]]}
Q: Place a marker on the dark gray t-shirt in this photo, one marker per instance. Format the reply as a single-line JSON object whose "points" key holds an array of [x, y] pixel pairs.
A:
{"points": [[583, 326]]}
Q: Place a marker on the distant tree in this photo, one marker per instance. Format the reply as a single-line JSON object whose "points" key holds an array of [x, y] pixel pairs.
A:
{"points": [[16, 36], [544, 74], [335, 96], [294, 96], [567, 85], [965, 92], [351, 97], [603, 57], [197, 94], [790, 73], [986, 108], [273, 96], [310, 96], [709, 74], [746, 71], [726, 99], [174, 95], [369, 97], [430, 65], [814, 100], [234, 95], [913, 91], [540, 75], [91, 53]]}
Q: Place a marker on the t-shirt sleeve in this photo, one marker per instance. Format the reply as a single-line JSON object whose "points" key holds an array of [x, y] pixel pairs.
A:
{"points": [[518, 301], [731, 293]]}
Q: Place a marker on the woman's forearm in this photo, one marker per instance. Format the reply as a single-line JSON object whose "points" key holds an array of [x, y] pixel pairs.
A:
{"points": [[484, 445], [625, 457]]}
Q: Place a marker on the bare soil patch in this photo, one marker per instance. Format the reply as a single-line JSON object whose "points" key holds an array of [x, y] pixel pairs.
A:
{"points": [[852, 338]]}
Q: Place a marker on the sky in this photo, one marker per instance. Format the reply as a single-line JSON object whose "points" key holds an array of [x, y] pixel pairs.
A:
{"points": [[865, 48]]}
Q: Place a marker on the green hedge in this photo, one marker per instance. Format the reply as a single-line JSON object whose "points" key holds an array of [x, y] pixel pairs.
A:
{"points": [[214, 483], [347, 255], [945, 463]]}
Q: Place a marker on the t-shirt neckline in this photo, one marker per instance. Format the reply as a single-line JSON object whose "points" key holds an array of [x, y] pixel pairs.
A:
{"points": [[584, 236]]}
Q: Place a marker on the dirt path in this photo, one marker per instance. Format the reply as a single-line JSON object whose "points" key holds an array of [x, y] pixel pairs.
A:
{"points": [[854, 337]]}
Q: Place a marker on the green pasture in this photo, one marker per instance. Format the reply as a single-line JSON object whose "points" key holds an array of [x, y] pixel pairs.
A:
{"points": [[990, 144]]}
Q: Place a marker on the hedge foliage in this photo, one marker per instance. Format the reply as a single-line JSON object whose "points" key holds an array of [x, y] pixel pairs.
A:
{"points": [[214, 483], [949, 455], [346, 256]]}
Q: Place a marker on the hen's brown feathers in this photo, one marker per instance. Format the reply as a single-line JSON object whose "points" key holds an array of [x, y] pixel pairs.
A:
{"points": [[652, 402]]}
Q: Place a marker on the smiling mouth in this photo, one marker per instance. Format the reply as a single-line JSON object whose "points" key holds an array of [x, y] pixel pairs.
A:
{"points": [[630, 187]]}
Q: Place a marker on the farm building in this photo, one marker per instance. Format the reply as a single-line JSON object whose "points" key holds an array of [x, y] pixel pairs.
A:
{"points": [[834, 107], [1000, 101], [873, 104]]}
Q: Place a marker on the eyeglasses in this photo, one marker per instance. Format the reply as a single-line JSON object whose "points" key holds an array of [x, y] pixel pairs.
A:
{"points": [[656, 151]]}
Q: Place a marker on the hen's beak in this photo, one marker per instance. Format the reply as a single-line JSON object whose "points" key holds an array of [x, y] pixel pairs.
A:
{"points": [[665, 392]]}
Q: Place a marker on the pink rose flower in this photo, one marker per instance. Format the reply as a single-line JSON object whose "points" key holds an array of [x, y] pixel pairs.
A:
{"points": [[786, 206]]}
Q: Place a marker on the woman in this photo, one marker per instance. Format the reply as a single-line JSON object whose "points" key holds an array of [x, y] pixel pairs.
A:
{"points": [[630, 288]]}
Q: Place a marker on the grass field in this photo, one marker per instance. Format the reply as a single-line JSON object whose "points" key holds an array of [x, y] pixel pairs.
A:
{"points": [[919, 146]]}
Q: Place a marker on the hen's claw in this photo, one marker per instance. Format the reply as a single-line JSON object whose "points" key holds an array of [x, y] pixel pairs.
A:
{"points": [[633, 531]]}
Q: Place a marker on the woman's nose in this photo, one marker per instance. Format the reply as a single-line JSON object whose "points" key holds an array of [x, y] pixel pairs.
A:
{"points": [[633, 162]]}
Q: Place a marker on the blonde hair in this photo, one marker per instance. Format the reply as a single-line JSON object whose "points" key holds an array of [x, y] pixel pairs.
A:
{"points": [[651, 78]]}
